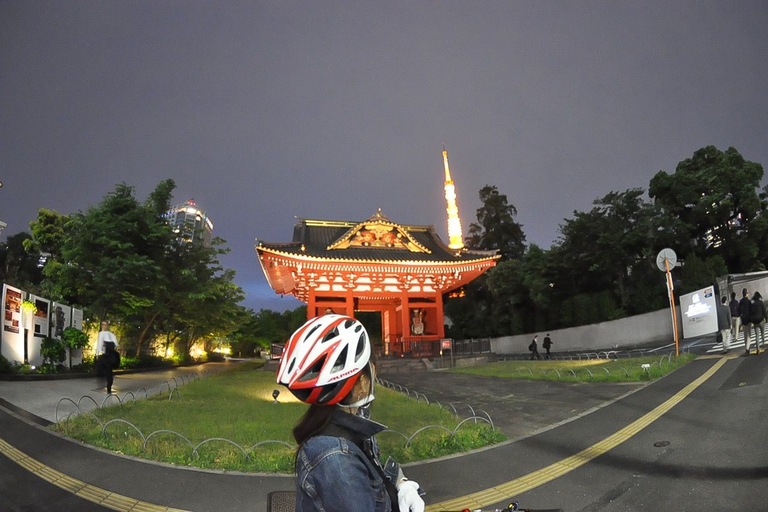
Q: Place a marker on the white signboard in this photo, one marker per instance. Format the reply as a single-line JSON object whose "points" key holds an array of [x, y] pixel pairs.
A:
{"points": [[699, 312], [77, 319], [12, 345]]}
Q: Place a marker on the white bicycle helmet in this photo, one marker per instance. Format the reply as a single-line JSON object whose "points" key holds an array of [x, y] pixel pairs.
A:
{"points": [[323, 359]]}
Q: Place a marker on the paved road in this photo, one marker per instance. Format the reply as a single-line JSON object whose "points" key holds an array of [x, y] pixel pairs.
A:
{"points": [[713, 453], [518, 407]]}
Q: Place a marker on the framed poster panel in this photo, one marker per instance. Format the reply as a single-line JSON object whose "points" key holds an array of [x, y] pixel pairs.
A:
{"points": [[77, 318], [61, 318], [40, 323], [12, 337]]}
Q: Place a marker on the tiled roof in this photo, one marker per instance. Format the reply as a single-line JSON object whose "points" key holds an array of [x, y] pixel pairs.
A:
{"points": [[312, 238]]}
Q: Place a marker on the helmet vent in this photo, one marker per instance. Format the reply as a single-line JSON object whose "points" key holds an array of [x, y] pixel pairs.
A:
{"points": [[290, 366], [339, 364], [359, 326], [314, 371], [348, 324], [311, 331], [361, 343], [333, 333]]}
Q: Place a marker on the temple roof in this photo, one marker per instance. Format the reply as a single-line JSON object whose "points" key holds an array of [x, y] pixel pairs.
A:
{"points": [[375, 239]]}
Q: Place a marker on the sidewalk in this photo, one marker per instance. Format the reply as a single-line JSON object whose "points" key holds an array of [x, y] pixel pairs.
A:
{"points": [[40, 397], [168, 488]]}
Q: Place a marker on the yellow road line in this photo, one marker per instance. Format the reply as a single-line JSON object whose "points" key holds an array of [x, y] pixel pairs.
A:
{"points": [[542, 476], [86, 491]]}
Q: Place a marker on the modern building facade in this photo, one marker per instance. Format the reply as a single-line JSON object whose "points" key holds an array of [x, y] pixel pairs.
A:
{"points": [[191, 224]]}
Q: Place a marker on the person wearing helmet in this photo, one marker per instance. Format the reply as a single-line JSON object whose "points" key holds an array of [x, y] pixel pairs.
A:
{"points": [[327, 364]]}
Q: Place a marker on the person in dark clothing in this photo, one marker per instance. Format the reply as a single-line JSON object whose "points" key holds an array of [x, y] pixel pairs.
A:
{"points": [[745, 311], [534, 348], [107, 362], [724, 322], [735, 317], [338, 464], [758, 319], [547, 344]]}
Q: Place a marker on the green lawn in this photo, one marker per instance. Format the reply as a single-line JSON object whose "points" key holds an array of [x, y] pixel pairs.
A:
{"points": [[592, 370], [237, 405]]}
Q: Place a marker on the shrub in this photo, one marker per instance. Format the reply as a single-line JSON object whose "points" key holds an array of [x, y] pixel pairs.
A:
{"points": [[5, 365], [53, 351], [214, 357], [22, 369], [74, 339], [87, 366], [144, 361], [49, 368]]}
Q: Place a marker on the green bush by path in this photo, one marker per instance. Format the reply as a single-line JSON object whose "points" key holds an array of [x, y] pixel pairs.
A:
{"points": [[237, 405], [584, 370]]}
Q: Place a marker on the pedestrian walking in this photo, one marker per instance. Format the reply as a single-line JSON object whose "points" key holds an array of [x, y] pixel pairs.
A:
{"points": [[107, 357], [547, 344], [534, 348], [758, 319], [724, 322], [745, 307], [735, 317]]}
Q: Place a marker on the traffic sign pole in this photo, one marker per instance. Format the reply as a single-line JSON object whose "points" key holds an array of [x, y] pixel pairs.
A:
{"points": [[671, 289]]}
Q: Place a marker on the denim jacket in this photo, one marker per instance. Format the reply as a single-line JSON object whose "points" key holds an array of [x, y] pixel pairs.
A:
{"points": [[336, 470]]}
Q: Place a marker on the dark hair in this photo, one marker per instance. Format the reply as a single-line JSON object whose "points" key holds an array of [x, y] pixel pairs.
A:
{"points": [[757, 296], [733, 295], [318, 416], [744, 292], [313, 422]]}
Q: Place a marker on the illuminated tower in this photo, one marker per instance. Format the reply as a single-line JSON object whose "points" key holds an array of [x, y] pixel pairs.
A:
{"points": [[191, 224], [455, 238]]}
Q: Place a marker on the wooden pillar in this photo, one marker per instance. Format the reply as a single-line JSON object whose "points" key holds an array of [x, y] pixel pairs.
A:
{"points": [[405, 321], [311, 307], [439, 310], [350, 304]]}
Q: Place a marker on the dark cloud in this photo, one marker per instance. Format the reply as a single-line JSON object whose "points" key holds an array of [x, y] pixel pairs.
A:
{"points": [[263, 111]]}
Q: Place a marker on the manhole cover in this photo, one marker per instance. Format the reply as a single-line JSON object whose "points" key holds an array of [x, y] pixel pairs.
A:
{"points": [[661, 444]]}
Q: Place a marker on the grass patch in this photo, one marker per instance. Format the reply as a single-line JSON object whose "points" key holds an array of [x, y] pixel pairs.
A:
{"points": [[585, 370], [237, 405]]}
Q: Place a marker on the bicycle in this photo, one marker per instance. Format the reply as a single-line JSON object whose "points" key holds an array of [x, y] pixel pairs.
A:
{"points": [[512, 506]]}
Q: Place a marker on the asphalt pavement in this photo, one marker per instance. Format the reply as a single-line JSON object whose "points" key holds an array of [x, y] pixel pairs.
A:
{"points": [[712, 447]]}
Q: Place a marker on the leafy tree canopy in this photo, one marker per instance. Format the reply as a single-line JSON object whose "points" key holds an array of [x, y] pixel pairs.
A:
{"points": [[715, 196], [496, 227]]}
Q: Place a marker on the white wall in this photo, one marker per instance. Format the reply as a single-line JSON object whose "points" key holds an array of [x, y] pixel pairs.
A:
{"points": [[650, 328]]}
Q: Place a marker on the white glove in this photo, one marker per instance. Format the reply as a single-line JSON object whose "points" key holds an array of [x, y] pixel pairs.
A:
{"points": [[408, 498]]}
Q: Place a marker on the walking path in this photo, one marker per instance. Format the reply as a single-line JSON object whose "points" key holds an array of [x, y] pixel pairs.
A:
{"points": [[40, 397], [46, 472]]}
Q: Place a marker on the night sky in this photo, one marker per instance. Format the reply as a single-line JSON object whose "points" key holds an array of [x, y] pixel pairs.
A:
{"points": [[267, 111]]}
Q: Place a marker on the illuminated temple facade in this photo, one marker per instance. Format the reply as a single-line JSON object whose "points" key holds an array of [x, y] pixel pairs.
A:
{"points": [[402, 271]]}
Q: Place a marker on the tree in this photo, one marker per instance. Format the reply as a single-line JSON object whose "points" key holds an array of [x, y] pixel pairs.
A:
{"points": [[19, 267], [522, 287], [109, 260], [74, 339], [496, 228], [598, 250], [715, 196], [48, 234]]}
